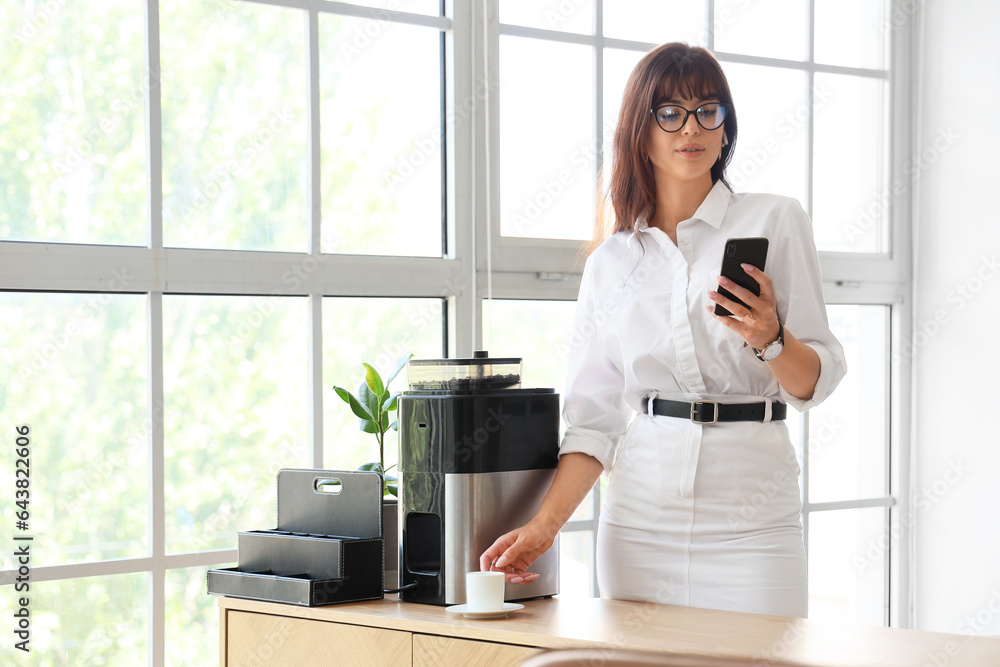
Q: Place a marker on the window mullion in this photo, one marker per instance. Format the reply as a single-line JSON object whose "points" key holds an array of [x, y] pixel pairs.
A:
{"points": [[157, 498], [154, 126]]}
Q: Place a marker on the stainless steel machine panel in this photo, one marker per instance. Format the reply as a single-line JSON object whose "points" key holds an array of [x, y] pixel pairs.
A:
{"points": [[480, 508]]}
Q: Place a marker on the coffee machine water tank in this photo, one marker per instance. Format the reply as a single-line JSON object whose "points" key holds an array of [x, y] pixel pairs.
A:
{"points": [[478, 452]]}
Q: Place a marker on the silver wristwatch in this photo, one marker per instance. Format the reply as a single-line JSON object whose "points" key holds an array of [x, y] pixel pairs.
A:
{"points": [[774, 348]]}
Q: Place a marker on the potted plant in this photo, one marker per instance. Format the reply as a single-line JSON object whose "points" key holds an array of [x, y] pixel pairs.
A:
{"points": [[373, 405]]}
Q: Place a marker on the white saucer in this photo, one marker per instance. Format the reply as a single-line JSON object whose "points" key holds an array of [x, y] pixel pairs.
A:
{"points": [[463, 609]]}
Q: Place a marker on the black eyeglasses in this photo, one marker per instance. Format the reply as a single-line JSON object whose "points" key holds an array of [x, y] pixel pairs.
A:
{"points": [[671, 117]]}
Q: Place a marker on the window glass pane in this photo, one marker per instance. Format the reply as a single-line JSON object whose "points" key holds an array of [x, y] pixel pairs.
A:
{"points": [[381, 144], [72, 108], [576, 563], [767, 28], [848, 432], [851, 207], [656, 21], [771, 145], [192, 617], [847, 551], [618, 65], [532, 331], [854, 33], [431, 7], [377, 332], [546, 139], [576, 16], [236, 395], [74, 371], [235, 126], [86, 621]]}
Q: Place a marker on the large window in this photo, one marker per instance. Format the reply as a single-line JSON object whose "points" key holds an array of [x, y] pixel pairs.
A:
{"points": [[211, 211]]}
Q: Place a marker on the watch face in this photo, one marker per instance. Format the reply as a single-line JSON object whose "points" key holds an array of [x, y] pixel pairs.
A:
{"points": [[772, 351]]}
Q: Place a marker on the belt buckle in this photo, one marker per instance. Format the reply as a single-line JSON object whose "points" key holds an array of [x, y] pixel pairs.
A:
{"points": [[694, 411]]}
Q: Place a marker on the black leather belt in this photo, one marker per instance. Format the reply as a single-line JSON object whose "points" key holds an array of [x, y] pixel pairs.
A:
{"points": [[710, 412]]}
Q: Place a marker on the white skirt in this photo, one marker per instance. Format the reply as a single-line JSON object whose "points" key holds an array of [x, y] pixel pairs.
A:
{"points": [[704, 516]]}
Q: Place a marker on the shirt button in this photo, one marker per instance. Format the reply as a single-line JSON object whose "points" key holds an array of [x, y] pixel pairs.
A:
{"points": [[685, 241]]}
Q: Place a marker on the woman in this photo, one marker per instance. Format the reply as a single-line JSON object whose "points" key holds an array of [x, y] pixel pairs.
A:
{"points": [[697, 513]]}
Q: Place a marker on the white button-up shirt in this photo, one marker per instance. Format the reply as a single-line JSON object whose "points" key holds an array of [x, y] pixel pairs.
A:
{"points": [[642, 330]]}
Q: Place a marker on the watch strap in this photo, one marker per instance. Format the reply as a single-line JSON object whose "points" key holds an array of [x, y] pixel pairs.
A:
{"points": [[780, 339]]}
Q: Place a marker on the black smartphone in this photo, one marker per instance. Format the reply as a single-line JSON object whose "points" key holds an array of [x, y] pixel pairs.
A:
{"points": [[741, 251]]}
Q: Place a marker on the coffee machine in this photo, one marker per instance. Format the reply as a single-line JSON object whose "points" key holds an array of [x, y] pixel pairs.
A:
{"points": [[478, 452]]}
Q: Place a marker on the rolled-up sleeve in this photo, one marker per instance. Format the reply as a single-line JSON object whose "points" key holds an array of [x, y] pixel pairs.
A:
{"points": [[800, 288], [594, 411]]}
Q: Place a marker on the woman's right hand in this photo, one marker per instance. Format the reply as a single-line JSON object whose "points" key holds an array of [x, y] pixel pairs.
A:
{"points": [[514, 552]]}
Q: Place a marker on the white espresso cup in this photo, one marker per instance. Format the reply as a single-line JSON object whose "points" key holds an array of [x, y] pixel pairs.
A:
{"points": [[484, 591]]}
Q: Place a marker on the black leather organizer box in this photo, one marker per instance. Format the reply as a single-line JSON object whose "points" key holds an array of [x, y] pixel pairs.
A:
{"points": [[326, 549]]}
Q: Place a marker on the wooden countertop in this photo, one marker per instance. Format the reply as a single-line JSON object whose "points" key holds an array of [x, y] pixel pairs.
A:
{"points": [[591, 622]]}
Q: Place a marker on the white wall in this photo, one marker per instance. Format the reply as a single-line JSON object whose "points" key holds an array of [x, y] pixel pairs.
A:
{"points": [[957, 305]]}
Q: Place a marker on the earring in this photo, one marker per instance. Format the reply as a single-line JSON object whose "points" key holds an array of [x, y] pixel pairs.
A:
{"points": [[725, 139]]}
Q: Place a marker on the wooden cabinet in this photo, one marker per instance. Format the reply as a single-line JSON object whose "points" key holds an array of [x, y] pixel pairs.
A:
{"points": [[433, 651], [263, 640], [391, 633]]}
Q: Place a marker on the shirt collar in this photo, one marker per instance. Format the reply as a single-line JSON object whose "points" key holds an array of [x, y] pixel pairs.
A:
{"points": [[712, 210]]}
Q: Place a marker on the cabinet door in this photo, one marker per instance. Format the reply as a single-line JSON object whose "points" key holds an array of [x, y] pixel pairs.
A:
{"points": [[259, 640], [434, 651]]}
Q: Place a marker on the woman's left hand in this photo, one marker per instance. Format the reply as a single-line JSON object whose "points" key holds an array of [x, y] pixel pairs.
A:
{"points": [[758, 324]]}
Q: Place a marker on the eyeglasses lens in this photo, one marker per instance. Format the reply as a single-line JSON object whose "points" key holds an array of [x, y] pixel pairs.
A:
{"points": [[672, 118]]}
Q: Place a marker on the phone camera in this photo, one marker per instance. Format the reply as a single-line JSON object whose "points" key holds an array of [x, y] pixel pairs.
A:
{"points": [[730, 250]]}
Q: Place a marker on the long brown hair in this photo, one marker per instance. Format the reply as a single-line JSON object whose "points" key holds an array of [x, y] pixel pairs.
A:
{"points": [[669, 70]]}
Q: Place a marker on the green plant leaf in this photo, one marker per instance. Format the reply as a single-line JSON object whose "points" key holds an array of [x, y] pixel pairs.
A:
{"points": [[371, 402], [374, 466], [391, 403], [357, 407], [374, 380], [384, 422], [394, 425], [400, 364], [391, 489], [368, 426]]}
